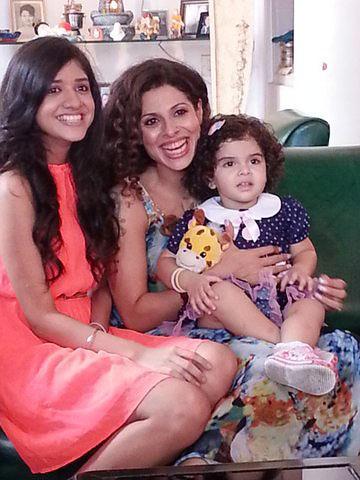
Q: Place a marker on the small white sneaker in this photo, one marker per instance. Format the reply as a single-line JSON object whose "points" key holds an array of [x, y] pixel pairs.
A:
{"points": [[299, 366]]}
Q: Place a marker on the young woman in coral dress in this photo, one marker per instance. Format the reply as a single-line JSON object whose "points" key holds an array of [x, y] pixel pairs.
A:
{"points": [[69, 385]]}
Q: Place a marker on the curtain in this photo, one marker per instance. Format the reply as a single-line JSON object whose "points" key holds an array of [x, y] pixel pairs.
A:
{"points": [[231, 42]]}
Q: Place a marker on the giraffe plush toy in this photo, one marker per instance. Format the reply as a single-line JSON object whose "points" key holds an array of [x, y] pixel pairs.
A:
{"points": [[201, 246]]}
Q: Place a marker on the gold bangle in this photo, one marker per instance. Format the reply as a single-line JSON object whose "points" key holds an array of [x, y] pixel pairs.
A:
{"points": [[174, 280]]}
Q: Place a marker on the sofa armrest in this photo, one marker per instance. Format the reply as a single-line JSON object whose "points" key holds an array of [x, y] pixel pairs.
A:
{"points": [[293, 129]]}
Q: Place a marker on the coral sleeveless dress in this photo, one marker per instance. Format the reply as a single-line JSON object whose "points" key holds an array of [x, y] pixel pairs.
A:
{"points": [[58, 403]]}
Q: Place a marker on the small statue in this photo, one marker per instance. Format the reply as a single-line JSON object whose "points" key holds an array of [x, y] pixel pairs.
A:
{"points": [[117, 33], [286, 43], [72, 7], [110, 6], [148, 26], [176, 26]]}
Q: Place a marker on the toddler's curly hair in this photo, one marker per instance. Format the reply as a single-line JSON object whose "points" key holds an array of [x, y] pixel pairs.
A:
{"points": [[235, 127]]}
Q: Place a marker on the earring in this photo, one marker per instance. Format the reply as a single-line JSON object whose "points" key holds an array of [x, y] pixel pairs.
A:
{"points": [[212, 186]]}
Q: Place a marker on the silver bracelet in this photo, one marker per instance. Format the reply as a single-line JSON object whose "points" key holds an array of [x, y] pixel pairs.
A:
{"points": [[98, 326], [91, 338]]}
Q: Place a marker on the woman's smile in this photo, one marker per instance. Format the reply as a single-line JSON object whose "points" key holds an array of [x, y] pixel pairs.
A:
{"points": [[67, 110], [70, 119], [170, 127], [176, 149]]}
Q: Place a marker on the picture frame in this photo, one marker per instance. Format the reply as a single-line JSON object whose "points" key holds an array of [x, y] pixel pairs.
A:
{"points": [[104, 88], [25, 15], [203, 29], [163, 16], [190, 11]]}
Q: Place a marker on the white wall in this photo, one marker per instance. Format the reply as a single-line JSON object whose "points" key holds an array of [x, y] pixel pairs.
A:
{"points": [[258, 80], [271, 18], [327, 32]]}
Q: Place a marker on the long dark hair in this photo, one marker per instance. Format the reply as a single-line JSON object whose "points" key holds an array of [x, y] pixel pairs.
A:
{"points": [[27, 80], [235, 127], [123, 144]]}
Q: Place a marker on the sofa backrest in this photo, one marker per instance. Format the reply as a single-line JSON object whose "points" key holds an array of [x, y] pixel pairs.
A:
{"points": [[327, 181]]}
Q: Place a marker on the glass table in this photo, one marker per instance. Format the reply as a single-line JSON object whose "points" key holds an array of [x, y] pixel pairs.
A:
{"points": [[339, 468]]}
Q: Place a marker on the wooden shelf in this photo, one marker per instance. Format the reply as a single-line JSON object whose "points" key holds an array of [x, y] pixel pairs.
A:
{"points": [[134, 40]]}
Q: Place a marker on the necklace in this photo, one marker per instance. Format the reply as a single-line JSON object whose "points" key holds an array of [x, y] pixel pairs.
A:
{"points": [[168, 221]]}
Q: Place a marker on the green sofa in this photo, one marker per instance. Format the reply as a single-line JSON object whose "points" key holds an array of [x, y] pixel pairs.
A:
{"points": [[327, 181], [293, 129]]}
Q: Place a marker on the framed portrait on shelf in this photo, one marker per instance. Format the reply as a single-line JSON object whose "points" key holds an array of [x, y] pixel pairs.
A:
{"points": [[190, 11], [104, 88], [203, 29], [26, 14], [162, 15]]}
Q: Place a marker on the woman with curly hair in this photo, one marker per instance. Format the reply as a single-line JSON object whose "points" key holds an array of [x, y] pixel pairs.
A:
{"points": [[156, 113], [72, 388], [240, 161]]}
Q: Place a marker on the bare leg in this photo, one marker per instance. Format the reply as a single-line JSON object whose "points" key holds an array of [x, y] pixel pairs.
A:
{"points": [[237, 313], [224, 366], [170, 418], [303, 322], [294, 362]]}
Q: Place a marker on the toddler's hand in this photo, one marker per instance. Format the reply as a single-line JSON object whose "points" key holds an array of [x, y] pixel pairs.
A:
{"points": [[296, 275], [201, 294]]}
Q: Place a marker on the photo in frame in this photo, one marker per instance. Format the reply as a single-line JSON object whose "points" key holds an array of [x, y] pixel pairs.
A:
{"points": [[203, 29], [162, 15], [104, 88], [26, 14], [190, 11]]}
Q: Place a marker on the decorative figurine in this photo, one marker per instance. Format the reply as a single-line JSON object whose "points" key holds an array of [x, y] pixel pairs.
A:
{"points": [[96, 33], [117, 33], [108, 14], [176, 25], [111, 6], [74, 16], [7, 36], [286, 43], [62, 29], [148, 26]]}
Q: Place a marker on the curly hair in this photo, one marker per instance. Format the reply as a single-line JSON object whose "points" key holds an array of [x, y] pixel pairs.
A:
{"points": [[26, 82], [235, 127], [123, 141]]}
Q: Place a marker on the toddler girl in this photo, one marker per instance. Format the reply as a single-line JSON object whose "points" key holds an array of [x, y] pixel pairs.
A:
{"points": [[241, 160]]}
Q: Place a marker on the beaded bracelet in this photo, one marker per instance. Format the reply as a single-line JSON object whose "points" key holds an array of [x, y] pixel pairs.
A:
{"points": [[174, 280]]}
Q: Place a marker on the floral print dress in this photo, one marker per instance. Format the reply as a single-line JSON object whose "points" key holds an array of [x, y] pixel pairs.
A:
{"points": [[261, 420]]}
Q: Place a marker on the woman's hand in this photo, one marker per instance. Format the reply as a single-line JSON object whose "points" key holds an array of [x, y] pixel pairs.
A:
{"points": [[201, 294], [247, 264], [177, 362], [331, 292]]}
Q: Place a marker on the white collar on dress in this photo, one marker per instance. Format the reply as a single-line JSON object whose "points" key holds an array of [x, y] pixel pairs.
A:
{"points": [[267, 206]]}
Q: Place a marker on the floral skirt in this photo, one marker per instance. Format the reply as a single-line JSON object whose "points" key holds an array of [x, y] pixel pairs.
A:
{"points": [[261, 420]]}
